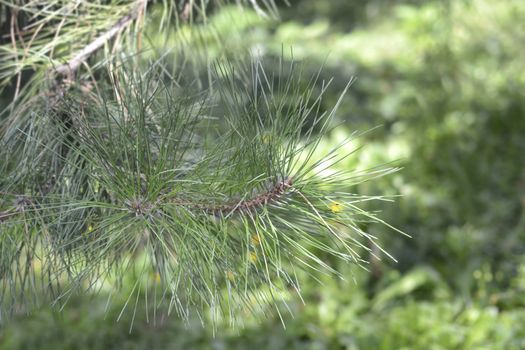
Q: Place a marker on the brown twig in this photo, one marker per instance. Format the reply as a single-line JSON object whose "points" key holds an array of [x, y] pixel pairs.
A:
{"points": [[70, 67], [244, 205]]}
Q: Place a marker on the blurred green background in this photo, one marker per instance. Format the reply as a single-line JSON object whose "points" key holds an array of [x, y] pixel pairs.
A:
{"points": [[445, 83]]}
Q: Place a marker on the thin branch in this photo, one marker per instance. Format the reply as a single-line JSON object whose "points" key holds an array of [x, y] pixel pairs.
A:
{"points": [[71, 66], [244, 205]]}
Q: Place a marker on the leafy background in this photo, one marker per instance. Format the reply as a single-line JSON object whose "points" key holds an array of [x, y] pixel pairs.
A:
{"points": [[444, 82]]}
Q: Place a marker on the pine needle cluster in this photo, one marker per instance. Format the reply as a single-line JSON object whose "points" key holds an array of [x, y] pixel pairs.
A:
{"points": [[213, 197]]}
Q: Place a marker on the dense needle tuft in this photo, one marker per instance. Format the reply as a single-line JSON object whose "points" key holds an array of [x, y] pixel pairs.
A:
{"points": [[220, 194]]}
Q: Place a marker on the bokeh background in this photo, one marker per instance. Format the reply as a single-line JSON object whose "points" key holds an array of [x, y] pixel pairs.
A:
{"points": [[440, 86]]}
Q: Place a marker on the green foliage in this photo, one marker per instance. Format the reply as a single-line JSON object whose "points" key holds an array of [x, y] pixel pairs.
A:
{"points": [[406, 319], [445, 81], [218, 188]]}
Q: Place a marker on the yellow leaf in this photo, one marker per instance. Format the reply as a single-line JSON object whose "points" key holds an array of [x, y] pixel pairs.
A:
{"points": [[255, 239], [336, 207], [252, 257], [157, 277], [266, 139]]}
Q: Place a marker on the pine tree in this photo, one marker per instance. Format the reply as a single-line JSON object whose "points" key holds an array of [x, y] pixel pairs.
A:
{"points": [[208, 189]]}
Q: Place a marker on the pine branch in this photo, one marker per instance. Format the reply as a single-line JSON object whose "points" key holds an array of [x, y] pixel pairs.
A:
{"points": [[38, 34], [245, 205], [142, 175], [219, 189]]}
